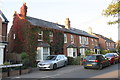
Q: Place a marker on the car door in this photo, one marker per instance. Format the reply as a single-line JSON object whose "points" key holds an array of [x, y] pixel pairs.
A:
{"points": [[102, 60], [116, 57], [59, 62]]}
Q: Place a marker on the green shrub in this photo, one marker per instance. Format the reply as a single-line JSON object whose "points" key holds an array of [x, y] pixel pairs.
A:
{"points": [[89, 52], [24, 60], [70, 60], [74, 61], [104, 51], [6, 63]]}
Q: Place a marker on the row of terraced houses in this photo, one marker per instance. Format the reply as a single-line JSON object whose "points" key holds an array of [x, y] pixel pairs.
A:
{"points": [[63, 39]]}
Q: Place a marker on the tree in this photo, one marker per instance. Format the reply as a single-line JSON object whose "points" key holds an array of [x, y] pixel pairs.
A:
{"points": [[113, 9]]}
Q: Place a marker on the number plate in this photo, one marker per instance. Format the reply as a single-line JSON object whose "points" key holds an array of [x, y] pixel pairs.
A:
{"points": [[89, 64]]}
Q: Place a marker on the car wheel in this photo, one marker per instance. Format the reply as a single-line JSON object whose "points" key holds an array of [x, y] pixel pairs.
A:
{"points": [[114, 62], [65, 63], [109, 64], [54, 66], [85, 68], [100, 66]]}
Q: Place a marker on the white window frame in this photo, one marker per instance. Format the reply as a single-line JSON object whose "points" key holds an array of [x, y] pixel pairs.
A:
{"points": [[45, 54], [51, 36], [40, 34], [14, 36], [87, 42], [72, 38], [82, 51], [70, 52], [40, 53], [65, 38], [80, 39]]}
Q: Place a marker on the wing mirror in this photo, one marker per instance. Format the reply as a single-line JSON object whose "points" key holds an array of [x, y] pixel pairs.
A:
{"points": [[57, 59]]}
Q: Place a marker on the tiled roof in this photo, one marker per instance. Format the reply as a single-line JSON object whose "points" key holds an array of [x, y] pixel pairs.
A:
{"points": [[81, 32], [71, 46], [43, 23], [107, 39], [3, 16]]}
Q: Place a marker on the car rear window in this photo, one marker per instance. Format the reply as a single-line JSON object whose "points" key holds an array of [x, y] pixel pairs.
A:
{"points": [[109, 55], [91, 57]]}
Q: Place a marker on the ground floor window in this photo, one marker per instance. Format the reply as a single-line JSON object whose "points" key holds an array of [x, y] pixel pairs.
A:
{"points": [[72, 52], [82, 51], [1, 54], [42, 53]]}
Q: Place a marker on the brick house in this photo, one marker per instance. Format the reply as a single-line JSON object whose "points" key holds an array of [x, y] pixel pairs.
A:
{"points": [[3, 36], [52, 38], [104, 42], [49, 37], [77, 41]]}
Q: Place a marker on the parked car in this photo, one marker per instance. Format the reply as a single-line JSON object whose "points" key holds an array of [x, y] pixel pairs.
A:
{"points": [[97, 61], [119, 56], [113, 57], [53, 62]]}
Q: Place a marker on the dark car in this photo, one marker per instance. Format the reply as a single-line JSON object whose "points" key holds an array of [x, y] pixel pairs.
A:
{"points": [[113, 57], [97, 61]]}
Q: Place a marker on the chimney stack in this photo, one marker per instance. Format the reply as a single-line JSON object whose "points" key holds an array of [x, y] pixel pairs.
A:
{"points": [[23, 10], [67, 23], [89, 30]]}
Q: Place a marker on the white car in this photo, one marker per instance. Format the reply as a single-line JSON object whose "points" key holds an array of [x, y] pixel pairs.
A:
{"points": [[53, 62]]}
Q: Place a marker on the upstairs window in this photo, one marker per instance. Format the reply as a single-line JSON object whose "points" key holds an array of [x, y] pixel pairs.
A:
{"points": [[107, 44], [72, 39], [80, 39], [65, 38], [51, 36], [83, 40], [14, 36], [92, 41], [40, 36]]}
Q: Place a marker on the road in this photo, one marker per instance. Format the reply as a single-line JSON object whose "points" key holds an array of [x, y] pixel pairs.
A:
{"points": [[76, 71]]}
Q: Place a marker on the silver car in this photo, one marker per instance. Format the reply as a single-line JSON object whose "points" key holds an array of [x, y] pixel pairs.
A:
{"points": [[53, 62]]}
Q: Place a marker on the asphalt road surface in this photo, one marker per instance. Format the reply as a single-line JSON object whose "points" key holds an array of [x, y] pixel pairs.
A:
{"points": [[74, 71]]}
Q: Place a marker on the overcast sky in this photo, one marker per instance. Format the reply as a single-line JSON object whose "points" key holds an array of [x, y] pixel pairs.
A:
{"points": [[82, 13]]}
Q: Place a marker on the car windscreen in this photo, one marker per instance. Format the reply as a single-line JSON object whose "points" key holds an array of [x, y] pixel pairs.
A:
{"points": [[91, 57], [51, 58], [109, 55]]}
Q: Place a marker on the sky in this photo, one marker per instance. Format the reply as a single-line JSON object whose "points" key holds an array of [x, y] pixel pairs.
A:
{"points": [[82, 13]]}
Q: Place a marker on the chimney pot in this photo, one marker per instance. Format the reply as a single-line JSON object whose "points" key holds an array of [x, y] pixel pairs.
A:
{"points": [[23, 10], [67, 23]]}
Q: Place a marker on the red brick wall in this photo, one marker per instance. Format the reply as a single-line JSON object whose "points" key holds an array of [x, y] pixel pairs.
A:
{"points": [[102, 43], [77, 42]]}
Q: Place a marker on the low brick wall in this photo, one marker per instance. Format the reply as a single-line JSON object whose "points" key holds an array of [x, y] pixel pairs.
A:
{"points": [[14, 73]]}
